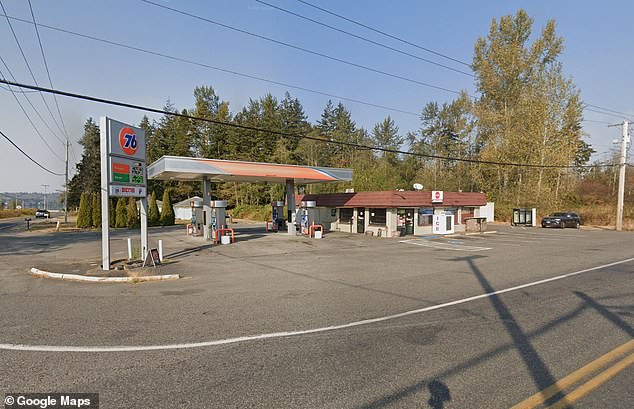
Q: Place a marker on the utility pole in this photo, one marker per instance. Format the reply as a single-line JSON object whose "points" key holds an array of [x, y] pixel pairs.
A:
{"points": [[619, 205], [66, 188], [45, 194]]}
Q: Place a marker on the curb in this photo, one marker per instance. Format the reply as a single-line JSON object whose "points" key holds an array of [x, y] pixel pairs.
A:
{"points": [[75, 277]]}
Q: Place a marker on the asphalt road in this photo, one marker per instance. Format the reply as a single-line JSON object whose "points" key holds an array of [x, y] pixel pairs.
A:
{"points": [[493, 351]]}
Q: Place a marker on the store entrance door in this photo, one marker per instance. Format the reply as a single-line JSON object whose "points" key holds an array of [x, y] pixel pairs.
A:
{"points": [[405, 222], [360, 220]]}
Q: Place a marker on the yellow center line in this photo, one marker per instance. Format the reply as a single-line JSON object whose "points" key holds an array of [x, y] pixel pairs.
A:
{"points": [[593, 383], [571, 379]]}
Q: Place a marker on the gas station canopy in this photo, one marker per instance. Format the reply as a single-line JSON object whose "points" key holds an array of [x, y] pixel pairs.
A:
{"points": [[217, 170]]}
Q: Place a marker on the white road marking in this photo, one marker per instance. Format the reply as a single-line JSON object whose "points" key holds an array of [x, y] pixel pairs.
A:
{"points": [[443, 246], [226, 341]]}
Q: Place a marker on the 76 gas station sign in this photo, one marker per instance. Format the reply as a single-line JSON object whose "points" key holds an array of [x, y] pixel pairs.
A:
{"points": [[123, 174]]}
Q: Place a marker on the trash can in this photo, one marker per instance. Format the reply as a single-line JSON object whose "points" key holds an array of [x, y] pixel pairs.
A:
{"points": [[225, 239]]}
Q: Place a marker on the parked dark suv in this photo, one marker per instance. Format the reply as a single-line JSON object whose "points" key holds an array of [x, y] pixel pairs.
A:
{"points": [[562, 220]]}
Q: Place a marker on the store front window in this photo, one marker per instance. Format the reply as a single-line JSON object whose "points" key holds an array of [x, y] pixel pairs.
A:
{"points": [[425, 216], [378, 217], [345, 215]]}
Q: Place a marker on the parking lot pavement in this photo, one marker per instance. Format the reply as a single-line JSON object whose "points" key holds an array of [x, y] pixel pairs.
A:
{"points": [[346, 321]]}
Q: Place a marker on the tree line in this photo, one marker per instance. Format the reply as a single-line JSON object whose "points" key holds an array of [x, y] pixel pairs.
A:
{"points": [[526, 112]]}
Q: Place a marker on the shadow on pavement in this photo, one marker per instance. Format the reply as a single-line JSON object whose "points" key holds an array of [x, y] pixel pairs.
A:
{"points": [[606, 313], [536, 366]]}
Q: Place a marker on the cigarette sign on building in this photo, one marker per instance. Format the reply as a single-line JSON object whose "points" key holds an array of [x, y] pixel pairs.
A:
{"points": [[436, 196]]}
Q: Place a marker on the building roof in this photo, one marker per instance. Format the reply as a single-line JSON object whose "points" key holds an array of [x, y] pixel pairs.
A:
{"points": [[187, 203], [216, 170], [393, 199]]}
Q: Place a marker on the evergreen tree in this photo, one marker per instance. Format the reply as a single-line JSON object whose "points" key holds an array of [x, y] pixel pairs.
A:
{"points": [[167, 211], [132, 217], [113, 213], [385, 135], [153, 216], [122, 213], [84, 216], [88, 176], [96, 210]]}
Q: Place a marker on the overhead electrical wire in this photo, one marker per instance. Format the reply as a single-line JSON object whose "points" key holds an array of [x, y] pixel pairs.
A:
{"points": [[26, 61], [232, 72], [365, 39], [386, 34], [27, 155], [28, 117], [48, 73], [200, 64], [364, 67], [286, 134], [306, 50]]}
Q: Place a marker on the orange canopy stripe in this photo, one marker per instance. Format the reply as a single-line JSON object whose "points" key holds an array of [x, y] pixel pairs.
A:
{"points": [[268, 170]]}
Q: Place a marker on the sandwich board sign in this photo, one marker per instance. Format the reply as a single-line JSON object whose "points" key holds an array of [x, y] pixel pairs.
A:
{"points": [[123, 174]]}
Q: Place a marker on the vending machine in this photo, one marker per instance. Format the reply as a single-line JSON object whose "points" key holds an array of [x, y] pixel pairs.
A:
{"points": [[443, 223]]}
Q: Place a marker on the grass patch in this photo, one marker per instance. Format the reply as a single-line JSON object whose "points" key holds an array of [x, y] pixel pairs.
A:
{"points": [[8, 213], [252, 212]]}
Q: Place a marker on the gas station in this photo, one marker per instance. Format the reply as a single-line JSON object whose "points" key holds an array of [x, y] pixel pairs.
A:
{"points": [[211, 217]]}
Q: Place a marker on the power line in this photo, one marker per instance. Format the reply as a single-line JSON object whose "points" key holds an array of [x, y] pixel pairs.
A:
{"points": [[200, 64], [37, 131], [601, 112], [26, 61], [365, 39], [27, 155], [48, 73], [232, 72], [285, 134], [306, 50], [611, 110], [385, 34]]}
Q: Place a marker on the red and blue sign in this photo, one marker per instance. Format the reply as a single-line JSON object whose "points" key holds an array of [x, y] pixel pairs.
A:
{"points": [[128, 141]]}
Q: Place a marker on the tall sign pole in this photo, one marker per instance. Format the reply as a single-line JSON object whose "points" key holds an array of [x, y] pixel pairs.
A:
{"points": [[123, 174], [619, 205], [66, 188]]}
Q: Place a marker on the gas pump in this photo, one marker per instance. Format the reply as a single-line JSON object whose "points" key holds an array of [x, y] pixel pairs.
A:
{"points": [[277, 215], [197, 218], [307, 215], [218, 212]]}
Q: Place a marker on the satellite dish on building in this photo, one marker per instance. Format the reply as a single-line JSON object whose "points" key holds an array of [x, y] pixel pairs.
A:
{"points": [[417, 186]]}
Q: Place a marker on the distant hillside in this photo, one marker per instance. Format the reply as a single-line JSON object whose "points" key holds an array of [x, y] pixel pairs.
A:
{"points": [[54, 201]]}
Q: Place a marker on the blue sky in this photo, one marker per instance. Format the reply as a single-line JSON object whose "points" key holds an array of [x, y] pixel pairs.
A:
{"points": [[597, 56]]}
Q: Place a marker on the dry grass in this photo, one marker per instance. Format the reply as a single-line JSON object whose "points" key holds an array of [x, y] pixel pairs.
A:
{"points": [[6, 214], [601, 215]]}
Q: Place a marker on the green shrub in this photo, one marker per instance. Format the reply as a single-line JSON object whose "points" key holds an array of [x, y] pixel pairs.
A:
{"points": [[84, 216], [252, 212], [96, 210], [153, 216], [122, 213], [132, 217], [167, 211], [113, 213]]}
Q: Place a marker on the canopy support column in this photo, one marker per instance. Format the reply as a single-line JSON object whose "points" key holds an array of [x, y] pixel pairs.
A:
{"points": [[290, 202]]}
